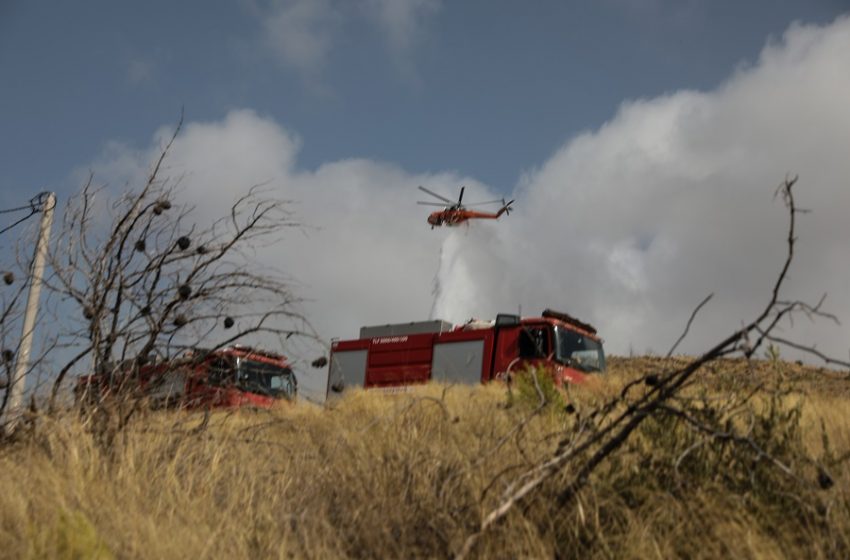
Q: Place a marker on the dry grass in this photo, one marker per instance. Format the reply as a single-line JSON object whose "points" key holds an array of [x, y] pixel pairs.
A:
{"points": [[410, 475]]}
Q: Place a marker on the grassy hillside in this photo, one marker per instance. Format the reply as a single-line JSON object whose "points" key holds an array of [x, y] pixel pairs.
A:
{"points": [[412, 474]]}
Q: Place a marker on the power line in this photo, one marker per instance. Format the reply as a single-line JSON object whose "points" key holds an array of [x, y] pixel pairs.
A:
{"points": [[35, 206]]}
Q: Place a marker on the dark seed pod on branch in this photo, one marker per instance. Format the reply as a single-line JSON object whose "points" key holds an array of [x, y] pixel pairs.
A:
{"points": [[180, 321], [228, 322], [161, 206], [8, 278], [185, 291], [651, 380], [146, 310], [88, 312], [202, 250], [8, 355], [140, 245], [183, 242]]}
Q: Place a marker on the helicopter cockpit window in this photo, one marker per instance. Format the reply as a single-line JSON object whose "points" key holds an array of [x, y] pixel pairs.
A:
{"points": [[534, 342]]}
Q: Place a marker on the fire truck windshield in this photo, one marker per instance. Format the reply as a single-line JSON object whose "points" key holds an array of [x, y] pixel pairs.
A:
{"points": [[578, 351], [265, 379]]}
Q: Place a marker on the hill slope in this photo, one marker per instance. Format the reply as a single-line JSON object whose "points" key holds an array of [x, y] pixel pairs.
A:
{"points": [[412, 474]]}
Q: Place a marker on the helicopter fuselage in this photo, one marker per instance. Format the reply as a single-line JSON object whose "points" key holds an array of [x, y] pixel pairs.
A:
{"points": [[452, 218]]}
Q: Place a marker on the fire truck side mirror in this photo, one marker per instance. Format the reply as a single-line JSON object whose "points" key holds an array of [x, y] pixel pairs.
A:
{"points": [[506, 320]]}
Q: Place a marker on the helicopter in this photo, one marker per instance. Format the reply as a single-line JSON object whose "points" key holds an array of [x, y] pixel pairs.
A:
{"points": [[455, 213]]}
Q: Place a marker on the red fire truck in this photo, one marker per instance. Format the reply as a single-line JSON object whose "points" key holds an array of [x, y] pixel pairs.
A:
{"points": [[391, 356], [229, 377]]}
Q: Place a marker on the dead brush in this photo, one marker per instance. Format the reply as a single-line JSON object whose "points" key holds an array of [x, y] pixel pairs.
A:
{"points": [[678, 489], [409, 475]]}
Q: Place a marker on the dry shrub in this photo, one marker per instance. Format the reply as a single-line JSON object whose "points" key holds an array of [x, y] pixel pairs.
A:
{"points": [[532, 389]]}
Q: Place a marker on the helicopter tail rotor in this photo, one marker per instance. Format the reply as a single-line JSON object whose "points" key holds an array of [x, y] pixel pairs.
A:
{"points": [[506, 208]]}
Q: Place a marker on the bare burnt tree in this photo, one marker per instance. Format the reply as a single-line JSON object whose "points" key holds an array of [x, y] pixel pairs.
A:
{"points": [[150, 282], [598, 433]]}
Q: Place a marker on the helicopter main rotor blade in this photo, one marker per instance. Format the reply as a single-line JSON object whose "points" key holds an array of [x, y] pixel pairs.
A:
{"points": [[432, 204], [483, 203], [432, 193], [460, 198]]}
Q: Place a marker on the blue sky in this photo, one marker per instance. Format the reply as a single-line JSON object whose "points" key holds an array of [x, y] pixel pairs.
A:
{"points": [[486, 88], [642, 141]]}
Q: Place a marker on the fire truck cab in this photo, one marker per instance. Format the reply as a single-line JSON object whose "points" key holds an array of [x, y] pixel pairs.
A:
{"points": [[393, 356]]}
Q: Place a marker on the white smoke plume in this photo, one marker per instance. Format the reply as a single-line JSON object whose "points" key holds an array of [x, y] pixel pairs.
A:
{"points": [[631, 225]]}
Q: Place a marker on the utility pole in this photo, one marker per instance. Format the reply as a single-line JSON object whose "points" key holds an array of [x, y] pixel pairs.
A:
{"points": [[17, 383]]}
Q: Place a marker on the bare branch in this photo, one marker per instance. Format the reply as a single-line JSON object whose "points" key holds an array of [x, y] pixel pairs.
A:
{"points": [[688, 326]]}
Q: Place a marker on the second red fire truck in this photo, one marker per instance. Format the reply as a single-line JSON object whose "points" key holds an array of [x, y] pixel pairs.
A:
{"points": [[229, 377]]}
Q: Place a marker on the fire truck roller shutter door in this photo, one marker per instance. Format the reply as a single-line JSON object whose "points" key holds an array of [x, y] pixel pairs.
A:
{"points": [[458, 362], [348, 369], [169, 388]]}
